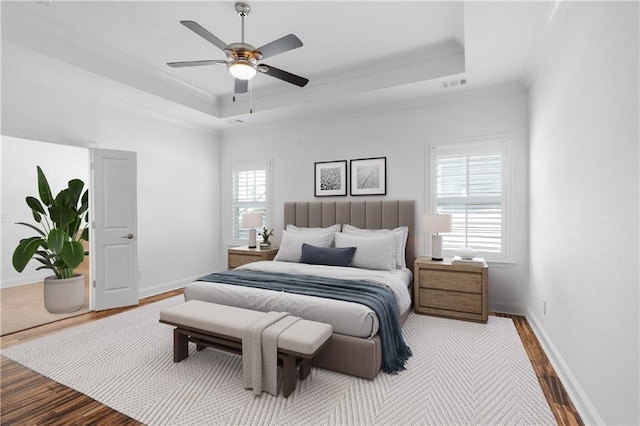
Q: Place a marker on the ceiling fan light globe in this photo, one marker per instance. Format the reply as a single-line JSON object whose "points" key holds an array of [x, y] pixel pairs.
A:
{"points": [[242, 70]]}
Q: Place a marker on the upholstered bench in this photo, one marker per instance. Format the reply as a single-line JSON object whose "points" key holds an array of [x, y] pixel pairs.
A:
{"points": [[221, 326]]}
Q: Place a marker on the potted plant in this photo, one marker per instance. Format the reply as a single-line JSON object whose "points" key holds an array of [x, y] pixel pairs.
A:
{"points": [[62, 227], [265, 244]]}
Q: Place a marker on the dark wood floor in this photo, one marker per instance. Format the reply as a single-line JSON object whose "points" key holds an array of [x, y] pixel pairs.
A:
{"points": [[28, 398]]}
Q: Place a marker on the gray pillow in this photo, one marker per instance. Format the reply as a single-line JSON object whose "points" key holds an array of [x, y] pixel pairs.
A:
{"points": [[330, 256], [291, 244]]}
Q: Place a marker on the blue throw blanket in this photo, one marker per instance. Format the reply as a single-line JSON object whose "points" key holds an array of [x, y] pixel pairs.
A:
{"points": [[379, 298]]}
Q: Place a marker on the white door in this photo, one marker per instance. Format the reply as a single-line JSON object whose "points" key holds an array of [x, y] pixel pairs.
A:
{"points": [[114, 241]]}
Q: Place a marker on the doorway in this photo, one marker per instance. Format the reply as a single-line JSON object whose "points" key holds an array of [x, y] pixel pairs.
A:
{"points": [[21, 294]]}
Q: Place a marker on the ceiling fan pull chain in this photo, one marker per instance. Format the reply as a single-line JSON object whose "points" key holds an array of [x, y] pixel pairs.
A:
{"points": [[250, 98]]}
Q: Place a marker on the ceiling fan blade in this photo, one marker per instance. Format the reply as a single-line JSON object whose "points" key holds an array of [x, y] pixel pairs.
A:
{"points": [[198, 29], [195, 63], [283, 75], [242, 86], [281, 45]]}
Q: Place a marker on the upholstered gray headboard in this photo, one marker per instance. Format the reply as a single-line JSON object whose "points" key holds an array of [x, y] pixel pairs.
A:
{"points": [[363, 214]]}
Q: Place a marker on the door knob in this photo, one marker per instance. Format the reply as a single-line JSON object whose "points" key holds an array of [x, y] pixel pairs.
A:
{"points": [[128, 236]]}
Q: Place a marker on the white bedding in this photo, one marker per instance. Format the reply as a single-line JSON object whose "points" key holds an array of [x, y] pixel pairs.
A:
{"points": [[348, 318]]}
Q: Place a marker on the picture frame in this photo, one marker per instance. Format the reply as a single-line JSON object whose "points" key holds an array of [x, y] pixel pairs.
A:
{"points": [[369, 176], [330, 178]]}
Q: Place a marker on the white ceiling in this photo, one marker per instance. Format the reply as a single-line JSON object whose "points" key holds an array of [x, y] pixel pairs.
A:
{"points": [[355, 54]]}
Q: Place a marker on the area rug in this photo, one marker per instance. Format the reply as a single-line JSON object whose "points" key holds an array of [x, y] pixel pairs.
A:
{"points": [[461, 373]]}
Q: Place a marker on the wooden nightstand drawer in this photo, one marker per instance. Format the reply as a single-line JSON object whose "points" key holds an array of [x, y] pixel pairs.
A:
{"points": [[236, 260], [451, 300], [238, 256], [455, 281]]}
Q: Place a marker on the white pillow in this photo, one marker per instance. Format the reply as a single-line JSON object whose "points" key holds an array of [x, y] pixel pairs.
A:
{"points": [[291, 244], [372, 252], [332, 228], [401, 234]]}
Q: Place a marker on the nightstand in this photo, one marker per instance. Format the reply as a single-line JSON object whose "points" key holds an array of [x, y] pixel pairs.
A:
{"points": [[238, 256], [453, 291]]}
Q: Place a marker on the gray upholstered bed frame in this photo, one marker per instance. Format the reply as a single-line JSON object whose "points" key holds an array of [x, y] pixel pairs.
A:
{"points": [[352, 355]]}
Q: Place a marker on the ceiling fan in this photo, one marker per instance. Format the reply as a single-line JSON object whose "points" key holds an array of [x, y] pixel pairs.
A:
{"points": [[242, 58]]}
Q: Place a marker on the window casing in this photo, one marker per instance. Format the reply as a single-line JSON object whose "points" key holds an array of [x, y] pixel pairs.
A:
{"points": [[250, 193], [469, 181]]}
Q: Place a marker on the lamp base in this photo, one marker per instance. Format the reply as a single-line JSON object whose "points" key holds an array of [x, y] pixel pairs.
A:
{"points": [[252, 238], [436, 247]]}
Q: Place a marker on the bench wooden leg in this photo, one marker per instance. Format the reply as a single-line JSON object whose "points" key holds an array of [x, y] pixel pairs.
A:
{"points": [[288, 375], [180, 345], [200, 347], [305, 368]]}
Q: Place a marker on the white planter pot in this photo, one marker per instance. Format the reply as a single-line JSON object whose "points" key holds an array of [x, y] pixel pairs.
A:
{"points": [[62, 296]]}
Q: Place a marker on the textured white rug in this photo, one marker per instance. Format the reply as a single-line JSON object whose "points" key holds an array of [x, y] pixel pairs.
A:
{"points": [[460, 373]]}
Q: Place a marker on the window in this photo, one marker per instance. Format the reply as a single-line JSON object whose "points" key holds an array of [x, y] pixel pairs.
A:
{"points": [[468, 181], [251, 193]]}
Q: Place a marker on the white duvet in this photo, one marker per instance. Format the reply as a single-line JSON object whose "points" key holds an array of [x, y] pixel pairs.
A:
{"points": [[348, 318]]}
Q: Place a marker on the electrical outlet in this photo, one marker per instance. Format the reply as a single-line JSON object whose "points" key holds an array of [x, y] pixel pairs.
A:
{"points": [[544, 307]]}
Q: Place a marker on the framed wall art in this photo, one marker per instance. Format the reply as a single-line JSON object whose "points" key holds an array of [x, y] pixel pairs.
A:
{"points": [[369, 176], [330, 178]]}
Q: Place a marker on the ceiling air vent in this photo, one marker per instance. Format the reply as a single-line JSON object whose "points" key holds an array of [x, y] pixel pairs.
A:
{"points": [[453, 83], [235, 121]]}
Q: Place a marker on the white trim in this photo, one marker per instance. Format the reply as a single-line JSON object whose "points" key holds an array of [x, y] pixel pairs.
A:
{"points": [[165, 287], [25, 279], [578, 396], [507, 309]]}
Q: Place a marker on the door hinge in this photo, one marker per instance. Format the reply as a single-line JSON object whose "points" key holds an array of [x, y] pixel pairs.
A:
{"points": [[93, 225], [94, 283]]}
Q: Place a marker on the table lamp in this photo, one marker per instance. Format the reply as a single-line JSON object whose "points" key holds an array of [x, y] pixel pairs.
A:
{"points": [[251, 220], [435, 223]]}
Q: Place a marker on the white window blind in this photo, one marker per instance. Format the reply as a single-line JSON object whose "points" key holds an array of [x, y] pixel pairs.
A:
{"points": [[250, 194], [468, 182]]}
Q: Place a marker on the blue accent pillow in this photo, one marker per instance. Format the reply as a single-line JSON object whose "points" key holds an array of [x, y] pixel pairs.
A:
{"points": [[331, 256]]}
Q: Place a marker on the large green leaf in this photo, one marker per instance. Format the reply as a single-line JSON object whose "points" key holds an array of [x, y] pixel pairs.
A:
{"points": [[63, 199], [84, 206], [25, 251], [72, 254], [36, 216], [43, 188], [35, 204], [61, 215], [56, 240], [74, 227], [75, 189]]}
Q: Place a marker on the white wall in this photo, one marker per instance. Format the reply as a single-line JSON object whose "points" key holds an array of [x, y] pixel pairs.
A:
{"points": [[19, 179], [584, 207], [178, 171], [402, 137]]}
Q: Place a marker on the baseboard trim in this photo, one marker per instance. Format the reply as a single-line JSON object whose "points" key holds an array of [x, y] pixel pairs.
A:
{"points": [[508, 309], [25, 279], [165, 287], [580, 400]]}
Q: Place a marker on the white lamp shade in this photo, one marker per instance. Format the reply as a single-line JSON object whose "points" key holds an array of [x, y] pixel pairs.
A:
{"points": [[251, 220], [435, 223], [242, 70]]}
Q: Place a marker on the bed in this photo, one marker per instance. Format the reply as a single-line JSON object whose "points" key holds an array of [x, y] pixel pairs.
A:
{"points": [[355, 347]]}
